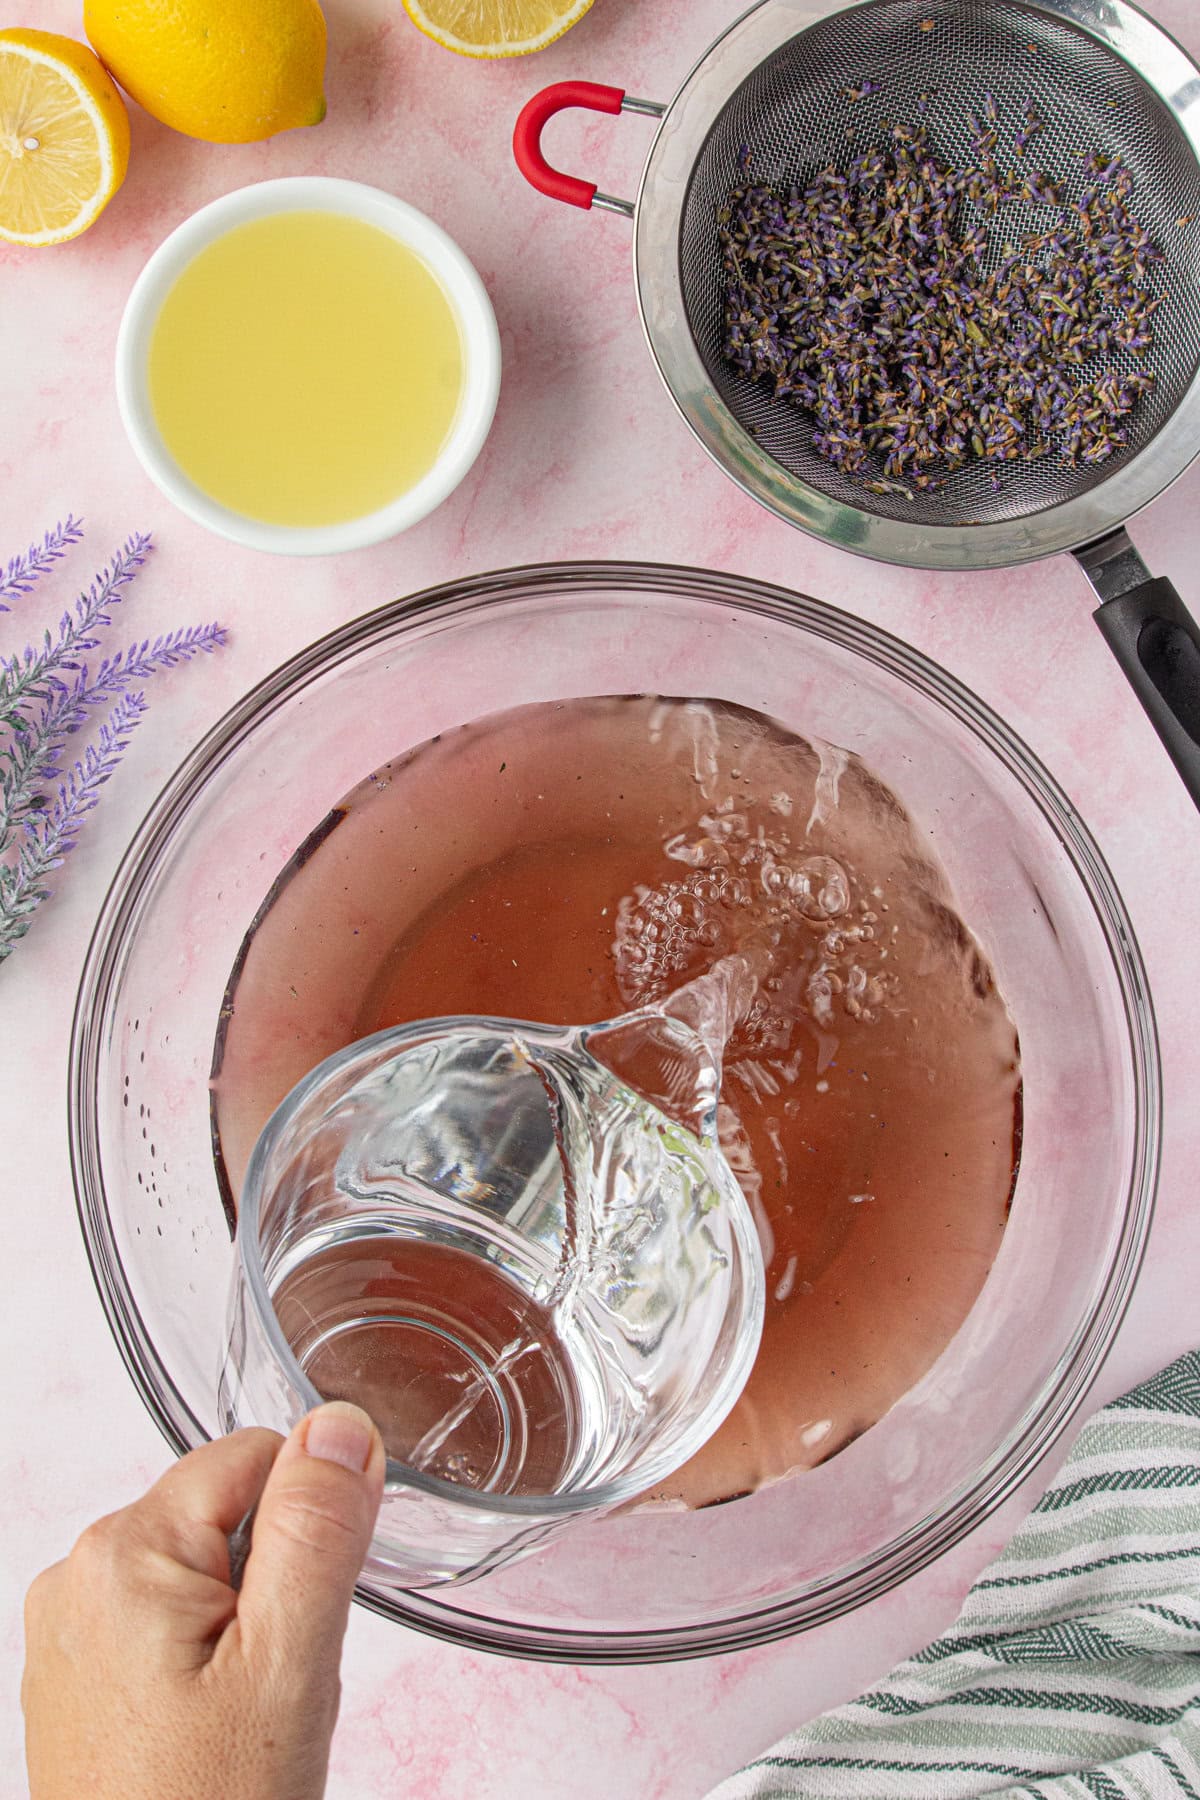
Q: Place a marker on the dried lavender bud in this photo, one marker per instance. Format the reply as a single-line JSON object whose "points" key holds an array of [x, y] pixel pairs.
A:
{"points": [[860, 295]]}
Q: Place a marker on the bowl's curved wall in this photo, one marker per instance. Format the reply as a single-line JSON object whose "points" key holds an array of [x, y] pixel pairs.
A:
{"points": [[1029, 881]]}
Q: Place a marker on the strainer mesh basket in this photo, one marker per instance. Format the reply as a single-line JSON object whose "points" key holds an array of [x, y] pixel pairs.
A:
{"points": [[794, 117]]}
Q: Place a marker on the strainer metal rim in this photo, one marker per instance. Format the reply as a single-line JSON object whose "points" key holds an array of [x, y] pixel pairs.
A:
{"points": [[1150, 51]]}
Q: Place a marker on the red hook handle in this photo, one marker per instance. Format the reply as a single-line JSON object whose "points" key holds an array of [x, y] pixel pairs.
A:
{"points": [[527, 136]]}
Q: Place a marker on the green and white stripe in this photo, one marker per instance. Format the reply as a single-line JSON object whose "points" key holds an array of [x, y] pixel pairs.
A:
{"points": [[1073, 1671]]}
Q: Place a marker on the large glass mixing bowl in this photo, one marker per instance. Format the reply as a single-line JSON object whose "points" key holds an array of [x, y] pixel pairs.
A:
{"points": [[1029, 881]]}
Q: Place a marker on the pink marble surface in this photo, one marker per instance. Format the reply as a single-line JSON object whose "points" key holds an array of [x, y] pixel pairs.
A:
{"points": [[587, 458]]}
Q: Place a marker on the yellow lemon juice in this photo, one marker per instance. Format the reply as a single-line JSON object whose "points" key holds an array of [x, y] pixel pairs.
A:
{"points": [[305, 369]]}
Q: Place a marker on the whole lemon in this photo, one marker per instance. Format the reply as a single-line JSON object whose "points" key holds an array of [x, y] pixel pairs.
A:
{"points": [[228, 71]]}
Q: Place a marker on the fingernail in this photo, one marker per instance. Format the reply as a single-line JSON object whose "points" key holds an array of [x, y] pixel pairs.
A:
{"points": [[340, 1433]]}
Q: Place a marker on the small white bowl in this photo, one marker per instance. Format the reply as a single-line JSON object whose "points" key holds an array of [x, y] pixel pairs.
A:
{"points": [[308, 193]]}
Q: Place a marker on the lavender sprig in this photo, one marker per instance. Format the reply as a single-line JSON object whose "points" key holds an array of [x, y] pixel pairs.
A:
{"points": [[30, 676], [48, 693], [22, 571], [30, 759], [51, 838]]}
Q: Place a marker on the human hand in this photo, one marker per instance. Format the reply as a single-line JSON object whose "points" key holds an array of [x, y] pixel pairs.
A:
{"points": [[147, 1677]]}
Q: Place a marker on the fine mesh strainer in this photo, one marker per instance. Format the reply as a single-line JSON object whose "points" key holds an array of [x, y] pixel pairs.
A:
{"points": [[1102, 77]]}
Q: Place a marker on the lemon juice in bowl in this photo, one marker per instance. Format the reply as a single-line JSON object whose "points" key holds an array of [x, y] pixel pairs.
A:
{"points": [[308, 365], [306, 368]]}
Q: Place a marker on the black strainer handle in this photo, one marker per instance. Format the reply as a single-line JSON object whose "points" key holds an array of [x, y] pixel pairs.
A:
{"points": [[1157, 643]]}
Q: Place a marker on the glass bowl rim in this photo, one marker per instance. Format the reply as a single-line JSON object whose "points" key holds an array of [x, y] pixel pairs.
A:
{"points": [[1043, 1421]]}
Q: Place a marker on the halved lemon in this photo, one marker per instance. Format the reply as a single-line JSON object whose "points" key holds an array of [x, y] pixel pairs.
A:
{"points": [[64, 137], [494, 27]]}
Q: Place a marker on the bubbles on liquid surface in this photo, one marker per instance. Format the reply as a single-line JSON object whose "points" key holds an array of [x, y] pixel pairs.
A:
{"points": [[749, 886]]}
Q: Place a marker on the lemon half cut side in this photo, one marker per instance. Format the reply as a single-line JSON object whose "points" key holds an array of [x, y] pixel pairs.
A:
{"points": [[495, 27], [64, 137]]}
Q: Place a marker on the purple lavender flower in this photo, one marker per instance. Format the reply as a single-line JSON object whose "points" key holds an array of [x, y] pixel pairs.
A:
{"points": [[31, 756], [22, 571], [47, 695], [866, 295], [29, 676], [50, 838]]}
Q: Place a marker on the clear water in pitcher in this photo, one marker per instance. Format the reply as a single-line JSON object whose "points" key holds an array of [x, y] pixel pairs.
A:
{"points": [[510, 1255]]}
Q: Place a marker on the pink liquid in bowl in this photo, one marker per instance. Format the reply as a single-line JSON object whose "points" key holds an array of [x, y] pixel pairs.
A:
{"points": [[568, 861]]}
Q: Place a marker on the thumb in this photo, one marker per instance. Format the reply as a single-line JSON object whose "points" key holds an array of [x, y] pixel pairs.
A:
{"points": [[311, 1535]]}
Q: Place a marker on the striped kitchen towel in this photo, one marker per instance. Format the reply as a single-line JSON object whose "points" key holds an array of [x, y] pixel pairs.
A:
{"points": [[1073, 1671]]}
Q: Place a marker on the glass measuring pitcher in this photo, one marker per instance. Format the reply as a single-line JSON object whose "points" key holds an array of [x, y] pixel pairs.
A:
{"points": [[546, 1291]]}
